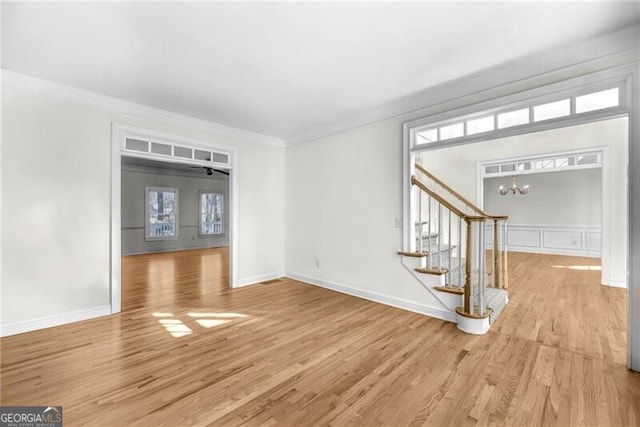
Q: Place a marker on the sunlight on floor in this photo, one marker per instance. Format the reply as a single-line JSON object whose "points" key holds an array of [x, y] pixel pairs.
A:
{"points": [[177, 328], [223, 315], [211, 323], [580, 267]]}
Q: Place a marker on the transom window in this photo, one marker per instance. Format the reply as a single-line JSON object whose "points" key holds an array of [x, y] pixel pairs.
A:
{"points": [[533, 113], [178, 152], [161, 213], [582, 160], [598, 100]]}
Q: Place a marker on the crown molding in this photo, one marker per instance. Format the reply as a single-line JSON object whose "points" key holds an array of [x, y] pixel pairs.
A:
{"points": [[23, 83], [587, 56]]}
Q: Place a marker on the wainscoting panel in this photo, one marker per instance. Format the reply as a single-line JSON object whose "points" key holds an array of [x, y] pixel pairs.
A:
{"points": [[594, 241], [551, 239], [526, 238], [562, 239]]}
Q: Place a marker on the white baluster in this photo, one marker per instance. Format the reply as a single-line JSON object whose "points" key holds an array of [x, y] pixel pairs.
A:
{"points": [[419, 248], [439, 236], [429, 257], [460, 284], [450, 251]]}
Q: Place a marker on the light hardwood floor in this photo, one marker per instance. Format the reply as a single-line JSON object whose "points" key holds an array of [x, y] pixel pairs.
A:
{"points": [[188, 351]]}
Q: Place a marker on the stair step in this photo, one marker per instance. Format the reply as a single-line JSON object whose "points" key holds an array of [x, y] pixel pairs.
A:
{"points": [[413, 254], [450, 289], [496, 299], [431, 270]]}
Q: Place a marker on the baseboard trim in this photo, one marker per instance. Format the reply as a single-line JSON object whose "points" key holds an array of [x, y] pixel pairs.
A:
{"points": [[255, 280], [617, 283], [400, 303], [55, 320]]}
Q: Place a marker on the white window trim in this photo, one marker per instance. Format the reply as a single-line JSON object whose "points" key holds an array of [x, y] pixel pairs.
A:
{"points": [[147, 225], [224, 196]]}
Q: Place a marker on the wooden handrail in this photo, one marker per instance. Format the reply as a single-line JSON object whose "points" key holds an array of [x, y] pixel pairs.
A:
{"points": [[499, 217], [438, 197], [452, 191], [499, 261], [459, 196]]}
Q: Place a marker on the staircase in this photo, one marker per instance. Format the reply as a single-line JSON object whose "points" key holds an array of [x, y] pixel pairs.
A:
{"points": [[448, 254]]}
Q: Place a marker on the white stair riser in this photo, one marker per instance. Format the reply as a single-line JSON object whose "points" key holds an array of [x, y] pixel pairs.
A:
{"points": [[414, 262]]}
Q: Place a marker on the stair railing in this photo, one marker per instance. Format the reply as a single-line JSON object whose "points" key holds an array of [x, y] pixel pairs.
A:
{"points": [[469, 274], [499, 271]]}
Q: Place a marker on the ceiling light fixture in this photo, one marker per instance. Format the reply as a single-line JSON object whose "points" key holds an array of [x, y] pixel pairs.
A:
{"points": [[514, 188]]}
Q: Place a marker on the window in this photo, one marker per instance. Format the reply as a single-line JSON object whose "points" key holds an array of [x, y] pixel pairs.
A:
{"points": [[552, 110], [483, 124], [137, 145], [161, 213], [426, 136], [168, 149], [513, 118], [597, 100], [570, 161], [452, 131], [211, 213], [522, 117]]}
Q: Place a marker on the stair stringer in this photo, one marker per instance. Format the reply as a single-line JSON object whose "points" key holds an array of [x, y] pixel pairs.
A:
{"points": [[429, 281]]}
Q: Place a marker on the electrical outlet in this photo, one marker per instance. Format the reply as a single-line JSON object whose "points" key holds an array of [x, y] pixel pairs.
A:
{"points": [[317, 263], [398, 222]]}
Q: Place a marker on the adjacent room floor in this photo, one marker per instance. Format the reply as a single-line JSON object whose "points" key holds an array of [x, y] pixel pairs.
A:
{"points": [[187, 350]]}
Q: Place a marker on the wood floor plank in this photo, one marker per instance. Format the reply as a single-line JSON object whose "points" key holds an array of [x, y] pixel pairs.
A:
{"points": [[187, 350]]}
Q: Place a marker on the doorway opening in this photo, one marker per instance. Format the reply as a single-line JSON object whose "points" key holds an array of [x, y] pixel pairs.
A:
{"points": [[562, 204], [173, 216], [567, 232]]}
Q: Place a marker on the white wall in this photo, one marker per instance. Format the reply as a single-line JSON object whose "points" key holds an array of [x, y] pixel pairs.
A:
{"points": [[56, 181], [133, 184], [578, 192], [613, 133], [343, 194]]}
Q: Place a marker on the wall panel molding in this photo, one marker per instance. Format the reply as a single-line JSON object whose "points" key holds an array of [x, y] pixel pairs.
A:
{"points": [[551, 239]]}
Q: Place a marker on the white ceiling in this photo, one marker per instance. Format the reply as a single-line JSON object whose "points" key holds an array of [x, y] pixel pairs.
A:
{"points": [[284, 69]]}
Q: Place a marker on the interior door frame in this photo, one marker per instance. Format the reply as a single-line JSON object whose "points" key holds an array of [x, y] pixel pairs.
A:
{"points": [[119, 134], [630, 75], [605, 205]]}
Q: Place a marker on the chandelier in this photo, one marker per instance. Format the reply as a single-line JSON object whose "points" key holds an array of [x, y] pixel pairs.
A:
{"points": [[514, 188]]}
